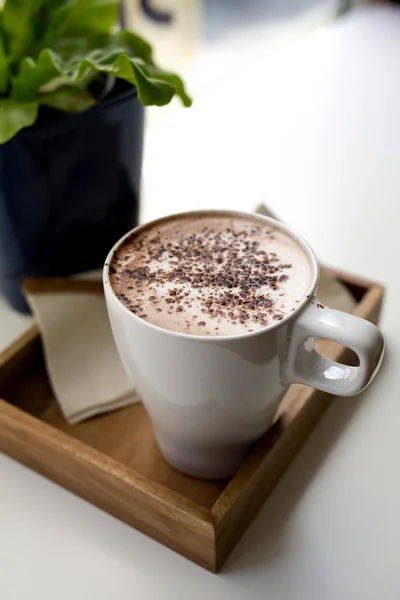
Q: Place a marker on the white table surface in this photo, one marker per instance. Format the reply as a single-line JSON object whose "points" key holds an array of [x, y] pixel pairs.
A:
{"points": [[315, 130]]}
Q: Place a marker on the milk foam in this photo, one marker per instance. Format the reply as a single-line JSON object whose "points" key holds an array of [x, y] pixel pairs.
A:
{"points": [[211, 274]]}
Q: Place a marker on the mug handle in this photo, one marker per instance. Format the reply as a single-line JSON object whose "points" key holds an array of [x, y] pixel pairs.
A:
{"points": [[304, 364]]}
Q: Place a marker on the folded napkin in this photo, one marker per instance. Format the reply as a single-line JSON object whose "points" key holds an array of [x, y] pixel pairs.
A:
{"points": [[82, 361]]}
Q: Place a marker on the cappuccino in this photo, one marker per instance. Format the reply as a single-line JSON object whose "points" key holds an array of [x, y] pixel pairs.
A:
{"points": [[210, 274]]}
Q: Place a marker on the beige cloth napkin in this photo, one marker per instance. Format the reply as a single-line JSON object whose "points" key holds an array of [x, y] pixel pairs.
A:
{"points": [[82, 361]]}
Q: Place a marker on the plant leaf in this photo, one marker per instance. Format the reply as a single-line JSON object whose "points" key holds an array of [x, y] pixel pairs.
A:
{"points": [[132, 44], [32, 75], [155, 87], [133, 70], [173, 80], [4, 70], [82, 18], [69, 99], [14, 116], [135, 47], [18, 26]]}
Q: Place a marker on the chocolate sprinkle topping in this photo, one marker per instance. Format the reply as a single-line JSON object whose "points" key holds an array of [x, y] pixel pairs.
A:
{"points": [[223, 272]]}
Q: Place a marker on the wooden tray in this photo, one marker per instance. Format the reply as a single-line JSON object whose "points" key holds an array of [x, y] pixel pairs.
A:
{"points": [[113, 461]]}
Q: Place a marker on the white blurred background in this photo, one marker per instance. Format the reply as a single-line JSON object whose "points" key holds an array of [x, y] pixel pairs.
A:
{"points": [[205, 39]]}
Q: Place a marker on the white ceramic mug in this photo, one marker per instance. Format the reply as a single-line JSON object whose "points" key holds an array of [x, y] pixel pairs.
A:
{"points": [[211, 397]]}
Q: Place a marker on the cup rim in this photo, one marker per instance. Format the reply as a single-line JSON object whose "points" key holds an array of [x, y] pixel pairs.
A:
{"points": [[108, 289]]}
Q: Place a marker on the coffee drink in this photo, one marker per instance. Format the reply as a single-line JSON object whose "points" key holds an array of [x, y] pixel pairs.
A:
{"points": [[210, 274], [184, 292]]}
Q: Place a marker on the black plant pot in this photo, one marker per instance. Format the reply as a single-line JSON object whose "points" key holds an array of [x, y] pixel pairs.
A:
{"points": [[69, 188]]}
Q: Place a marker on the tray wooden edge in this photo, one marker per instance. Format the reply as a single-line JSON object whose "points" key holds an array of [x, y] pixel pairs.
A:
{"points": [[50, 285]]}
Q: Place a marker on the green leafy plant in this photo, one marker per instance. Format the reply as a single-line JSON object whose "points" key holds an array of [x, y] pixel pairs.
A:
{"points": [[51, 52]]}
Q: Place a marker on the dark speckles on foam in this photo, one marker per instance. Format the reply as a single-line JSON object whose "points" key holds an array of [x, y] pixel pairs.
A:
{"points": [[225, 269]]}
